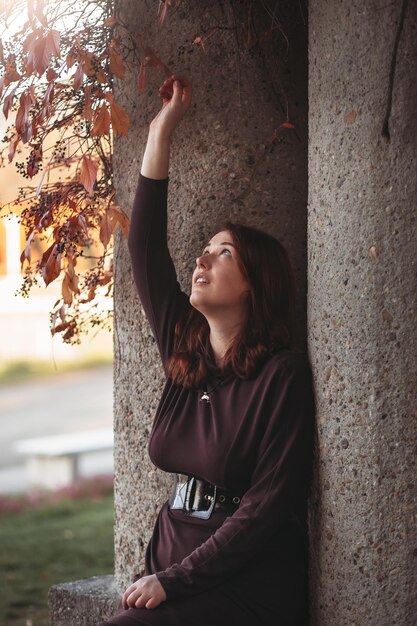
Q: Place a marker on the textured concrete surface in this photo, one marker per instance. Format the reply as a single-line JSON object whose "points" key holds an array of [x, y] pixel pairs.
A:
{"points": [[224, 164], [362, 313], [83, 602]]}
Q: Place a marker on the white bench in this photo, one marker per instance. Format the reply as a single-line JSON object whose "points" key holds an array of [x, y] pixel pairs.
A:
{"points": [[52, 462]]}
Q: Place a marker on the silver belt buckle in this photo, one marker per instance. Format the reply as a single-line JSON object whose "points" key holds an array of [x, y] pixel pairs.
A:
{"points": [[188, 495]]}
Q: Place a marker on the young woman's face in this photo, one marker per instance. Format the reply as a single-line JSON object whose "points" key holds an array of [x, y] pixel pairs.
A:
{"points": [[218, 284]]}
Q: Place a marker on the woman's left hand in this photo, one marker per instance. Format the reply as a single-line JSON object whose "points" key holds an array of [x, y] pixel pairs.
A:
{"points": [[146, 592]]}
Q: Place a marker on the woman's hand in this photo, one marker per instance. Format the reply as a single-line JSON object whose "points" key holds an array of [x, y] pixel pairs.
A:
{"points": [[146, 592], [176, 98]]}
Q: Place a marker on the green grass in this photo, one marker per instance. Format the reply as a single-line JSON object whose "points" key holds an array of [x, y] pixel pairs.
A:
{"points": [[39, 547], [16, 371]]}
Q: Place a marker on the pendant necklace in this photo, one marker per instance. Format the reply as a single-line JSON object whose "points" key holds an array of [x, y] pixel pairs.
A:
{"points": [[206, 396]]}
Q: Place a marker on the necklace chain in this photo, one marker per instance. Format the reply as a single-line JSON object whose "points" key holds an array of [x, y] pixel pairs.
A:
{"points": [[206, 396]]}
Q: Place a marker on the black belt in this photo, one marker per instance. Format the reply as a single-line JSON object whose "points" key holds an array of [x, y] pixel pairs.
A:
{"points": [[199, 498]]}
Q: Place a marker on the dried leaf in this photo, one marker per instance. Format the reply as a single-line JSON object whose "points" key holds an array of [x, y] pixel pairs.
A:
{"points": [[119, 216], [34, 161], [50, 264], [111, 21], [117, 65], [51, 74], [88, 175], [22, 116], [53, 41], [8, 102], [106, 229], [119, 119], [26, 254], [101, 125], [40, 14], [87, 109], [1, 85], [66, 291], [78, 78], [12, 147], [70, 61]]}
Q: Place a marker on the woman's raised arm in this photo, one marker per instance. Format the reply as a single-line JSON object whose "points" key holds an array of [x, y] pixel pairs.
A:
{"points": [[176, 98]]}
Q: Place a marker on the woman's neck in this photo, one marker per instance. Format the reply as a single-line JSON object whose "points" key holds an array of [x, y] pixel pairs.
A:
{"points": [[221, 337]]}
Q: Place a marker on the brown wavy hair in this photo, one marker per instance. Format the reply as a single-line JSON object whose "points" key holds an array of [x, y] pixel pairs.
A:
{"points": [[269, 326]]}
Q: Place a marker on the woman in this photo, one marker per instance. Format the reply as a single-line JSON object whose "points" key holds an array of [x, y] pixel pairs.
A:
{"points": [[235, 423]]}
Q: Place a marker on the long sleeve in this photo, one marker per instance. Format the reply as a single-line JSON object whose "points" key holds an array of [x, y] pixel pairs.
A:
{"points": [[153, 269], [278, 487]]}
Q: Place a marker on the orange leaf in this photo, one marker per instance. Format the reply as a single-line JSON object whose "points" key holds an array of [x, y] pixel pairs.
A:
{"points": [[8, 102], [51, 264], [70, 61], [106, 229], [12, 147], [111, 21], [39, 13], [1, 85], [88, 174], [25, 256], [51, 74], [119, 119], [78, 77], [53, 40], [119, 216], [35, 159], [66, 291], [22, 115], [117, 65], [87, 110], [101, 122]]}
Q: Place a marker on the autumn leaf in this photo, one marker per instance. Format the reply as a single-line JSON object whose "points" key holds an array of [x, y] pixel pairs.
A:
{"points": [[12, 147], [34, 161], [51, 74], [88, 174], [8, 102], [41, 50], [26, 254], [70, 60], [117, 65], [111, 21], [119, 119], [87, 109], [50, 264], [106, 229], [101, 125], [78, 77], [118, 216], [65, 290]]}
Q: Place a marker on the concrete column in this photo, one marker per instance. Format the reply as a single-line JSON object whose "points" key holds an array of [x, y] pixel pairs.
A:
{"points": [[225, 163], [362, 311]]}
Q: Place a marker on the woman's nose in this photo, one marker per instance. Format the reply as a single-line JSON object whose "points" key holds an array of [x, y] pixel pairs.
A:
{"points": [[202, 261]]}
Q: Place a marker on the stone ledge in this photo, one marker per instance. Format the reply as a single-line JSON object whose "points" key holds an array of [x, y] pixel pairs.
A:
{"points": [[83, 602]]}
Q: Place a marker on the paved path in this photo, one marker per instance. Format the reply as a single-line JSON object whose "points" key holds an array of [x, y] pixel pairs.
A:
{"points": [[67, 402]]}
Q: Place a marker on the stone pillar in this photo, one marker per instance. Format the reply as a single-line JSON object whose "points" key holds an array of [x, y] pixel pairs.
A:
{"points": [[230, 159], [362, 311], [225, 164]]}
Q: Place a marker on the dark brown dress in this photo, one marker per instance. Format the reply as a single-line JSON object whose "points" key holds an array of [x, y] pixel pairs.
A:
{"points": [[253, 437]]}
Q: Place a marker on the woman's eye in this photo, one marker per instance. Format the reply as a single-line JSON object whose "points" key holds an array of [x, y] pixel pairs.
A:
{"points": [[226, 251]]}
